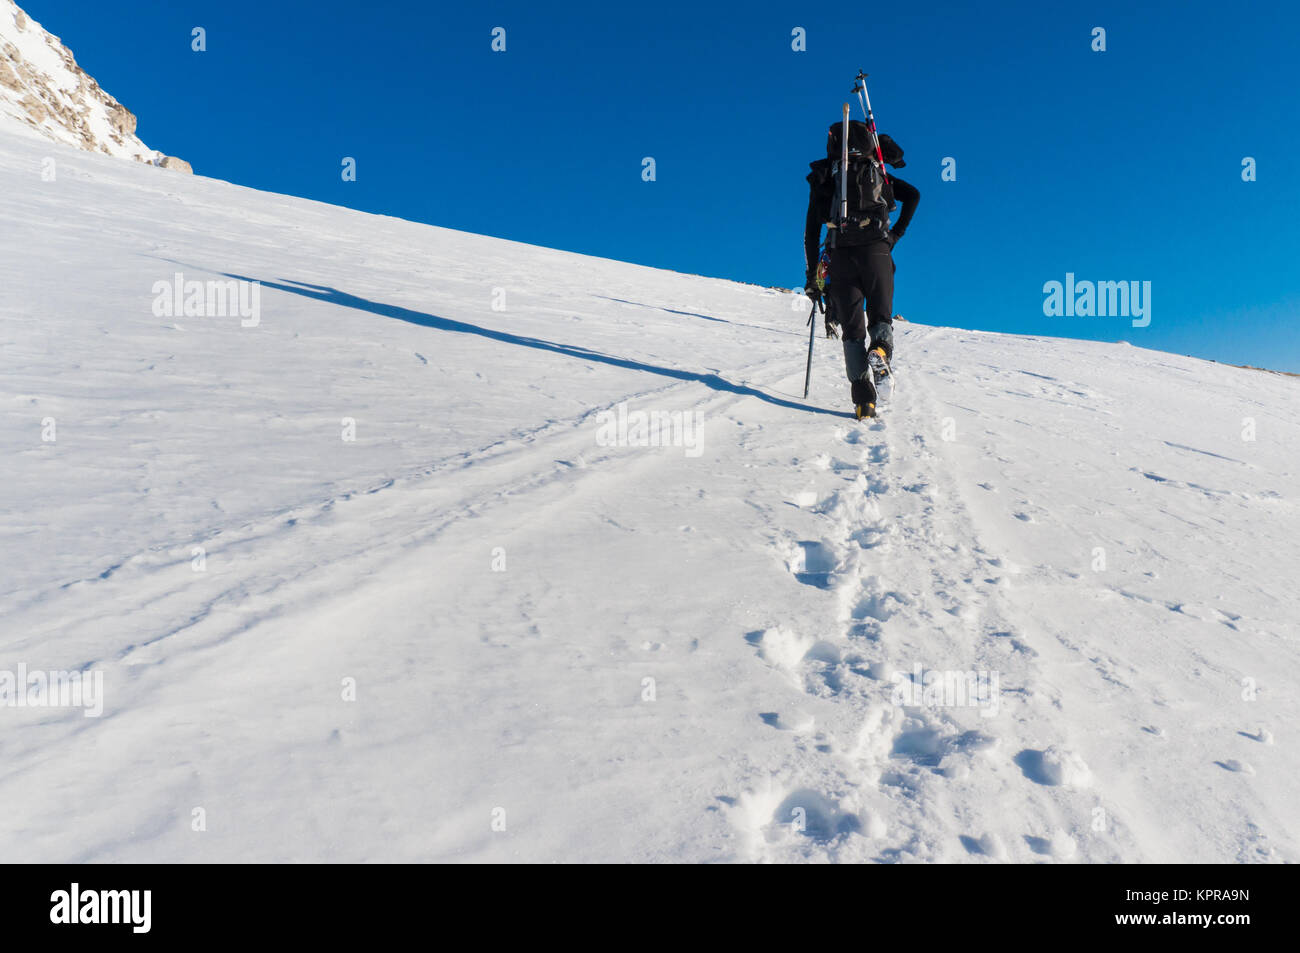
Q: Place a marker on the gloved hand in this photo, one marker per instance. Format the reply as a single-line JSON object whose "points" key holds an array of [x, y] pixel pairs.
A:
{"points": [[813, 292], [895, 234]]}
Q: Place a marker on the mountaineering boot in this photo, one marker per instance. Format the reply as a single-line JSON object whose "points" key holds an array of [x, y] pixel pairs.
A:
{"points": [[878, 361], [864, 397], [858, 371]]}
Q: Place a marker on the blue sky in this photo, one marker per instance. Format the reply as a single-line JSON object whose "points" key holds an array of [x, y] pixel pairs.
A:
{"points": [[1115, 165]]}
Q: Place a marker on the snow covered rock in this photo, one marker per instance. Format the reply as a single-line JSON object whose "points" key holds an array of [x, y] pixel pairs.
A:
{"points": [[43, 89], [178, 165]]}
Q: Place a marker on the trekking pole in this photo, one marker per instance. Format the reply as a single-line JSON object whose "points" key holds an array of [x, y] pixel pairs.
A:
{"points": [[864, 100], [807, 374]]}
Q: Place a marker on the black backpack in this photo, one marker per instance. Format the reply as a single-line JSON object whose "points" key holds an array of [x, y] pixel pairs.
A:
{"points": [[860, 142], [870, 197]]}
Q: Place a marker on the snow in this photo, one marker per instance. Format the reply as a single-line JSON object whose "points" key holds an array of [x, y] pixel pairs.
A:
{"points": [[561, 648]]}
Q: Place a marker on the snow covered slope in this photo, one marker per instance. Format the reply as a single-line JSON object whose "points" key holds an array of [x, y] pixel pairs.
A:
{"points": [[368, 572], [42, 88]]}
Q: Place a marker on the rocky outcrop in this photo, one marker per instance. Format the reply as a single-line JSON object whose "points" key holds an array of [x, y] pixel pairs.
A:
{"points": [[43, 89]]}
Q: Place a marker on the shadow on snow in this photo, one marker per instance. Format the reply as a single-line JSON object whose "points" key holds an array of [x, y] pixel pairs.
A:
{"points": [[345, 300]]}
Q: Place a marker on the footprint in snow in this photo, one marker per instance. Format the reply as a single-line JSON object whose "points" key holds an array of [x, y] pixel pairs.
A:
{"points": [[774, 816], [990, 845], [1238, 767], [1060, 845], [876, 607], [869, 537], [805, 499], [781, 647], [1054, 767], [1014, 643], [799, 722], [809, 814], [814, 563], [927, 746], [923, 746]]}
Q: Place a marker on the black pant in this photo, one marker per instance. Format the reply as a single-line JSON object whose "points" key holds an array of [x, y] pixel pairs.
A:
{"points": [[860, 296]]}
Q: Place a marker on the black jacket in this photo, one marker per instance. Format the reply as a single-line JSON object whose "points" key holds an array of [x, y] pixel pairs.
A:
{"points": [[821, 196]]}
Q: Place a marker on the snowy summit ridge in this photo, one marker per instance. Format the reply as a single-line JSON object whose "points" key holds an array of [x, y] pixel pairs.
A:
{"points": [[43, 89]]}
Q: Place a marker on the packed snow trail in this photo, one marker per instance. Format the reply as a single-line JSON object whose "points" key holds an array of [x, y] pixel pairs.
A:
{"points": [[563, 648]]}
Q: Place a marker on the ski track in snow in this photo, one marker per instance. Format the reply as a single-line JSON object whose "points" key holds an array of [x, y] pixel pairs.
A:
{"points": [[768, 595]]}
